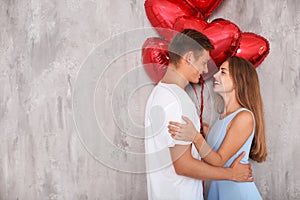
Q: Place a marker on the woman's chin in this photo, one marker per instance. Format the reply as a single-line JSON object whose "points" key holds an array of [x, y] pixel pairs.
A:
{"points": [[215, 90]]}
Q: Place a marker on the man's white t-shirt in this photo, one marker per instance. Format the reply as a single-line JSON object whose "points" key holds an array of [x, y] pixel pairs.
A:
{"points": [[168, 102]]}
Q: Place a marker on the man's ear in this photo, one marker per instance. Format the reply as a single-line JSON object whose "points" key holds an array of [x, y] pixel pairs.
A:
{"points": [[188, 56]]}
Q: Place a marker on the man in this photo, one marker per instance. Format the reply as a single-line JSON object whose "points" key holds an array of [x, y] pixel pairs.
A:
{"points": [[174, 167]]}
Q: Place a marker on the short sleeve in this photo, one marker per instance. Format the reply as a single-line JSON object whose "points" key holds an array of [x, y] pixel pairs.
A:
{"points": [[173, 112], [160, 117]]}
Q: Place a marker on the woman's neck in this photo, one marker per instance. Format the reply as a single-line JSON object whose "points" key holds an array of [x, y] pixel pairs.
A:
{"points": [[231, 104]]}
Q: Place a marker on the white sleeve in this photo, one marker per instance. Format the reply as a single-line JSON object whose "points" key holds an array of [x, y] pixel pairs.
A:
{"points": [[160, 117], [173, 112]]}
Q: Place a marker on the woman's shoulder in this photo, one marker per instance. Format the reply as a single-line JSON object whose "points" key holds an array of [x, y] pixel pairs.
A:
{"points": [[243, 117]]}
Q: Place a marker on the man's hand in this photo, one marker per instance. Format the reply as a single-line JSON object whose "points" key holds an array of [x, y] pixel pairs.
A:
{"points": [[241, 172]]}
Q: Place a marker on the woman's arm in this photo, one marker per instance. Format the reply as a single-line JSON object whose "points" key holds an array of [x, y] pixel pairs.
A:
{"points": [[237, 134]]}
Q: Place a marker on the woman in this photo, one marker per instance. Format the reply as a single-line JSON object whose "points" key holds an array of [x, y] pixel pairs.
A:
{"points": [[239, 128]]}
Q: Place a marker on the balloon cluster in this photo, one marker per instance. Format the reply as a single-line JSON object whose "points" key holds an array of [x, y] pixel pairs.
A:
{"points": [[177, 15]]}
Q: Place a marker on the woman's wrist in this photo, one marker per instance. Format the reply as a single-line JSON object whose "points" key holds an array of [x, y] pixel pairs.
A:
{"points": [[198, 139]]}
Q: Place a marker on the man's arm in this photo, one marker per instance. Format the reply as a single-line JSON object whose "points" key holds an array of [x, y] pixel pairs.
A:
{"points": [[186, 165]]}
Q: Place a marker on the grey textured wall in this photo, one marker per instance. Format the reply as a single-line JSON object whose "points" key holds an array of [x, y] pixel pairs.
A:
{"points": [[49, 147]]}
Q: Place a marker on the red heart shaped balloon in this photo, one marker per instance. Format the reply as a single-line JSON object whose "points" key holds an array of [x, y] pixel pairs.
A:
{"points": [[206, 7], [225, 36], [163, 14], [189, 23], [198, 25], [253, 47], [155, 58]]}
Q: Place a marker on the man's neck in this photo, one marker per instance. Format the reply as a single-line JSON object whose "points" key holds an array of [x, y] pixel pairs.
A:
{"points": [[173, 76]]}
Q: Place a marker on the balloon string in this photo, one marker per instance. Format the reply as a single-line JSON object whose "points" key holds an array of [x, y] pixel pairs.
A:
{"points": [[202, 104], [201, 81]]}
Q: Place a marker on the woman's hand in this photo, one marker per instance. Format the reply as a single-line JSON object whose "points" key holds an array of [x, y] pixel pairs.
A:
{"points": [[179, 131]]}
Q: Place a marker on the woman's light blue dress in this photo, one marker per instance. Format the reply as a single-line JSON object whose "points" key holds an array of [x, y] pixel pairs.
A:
{"points": [[230, 190]]}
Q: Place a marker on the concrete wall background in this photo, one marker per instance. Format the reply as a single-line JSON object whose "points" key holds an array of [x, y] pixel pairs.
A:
{"points": [[43, 45]]}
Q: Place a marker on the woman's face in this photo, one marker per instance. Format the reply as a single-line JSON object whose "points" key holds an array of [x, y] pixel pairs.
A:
{"points": [[222, 80]]}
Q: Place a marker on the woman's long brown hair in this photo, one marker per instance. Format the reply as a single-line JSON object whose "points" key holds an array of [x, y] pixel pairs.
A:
{"points": [[245, 80]]}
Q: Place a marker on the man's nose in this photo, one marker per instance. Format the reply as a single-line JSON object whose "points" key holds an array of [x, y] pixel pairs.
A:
{"points": [[205, 69]]}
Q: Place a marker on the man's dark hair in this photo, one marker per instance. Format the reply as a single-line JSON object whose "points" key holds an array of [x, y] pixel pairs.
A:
{"points": [[188, 40]]}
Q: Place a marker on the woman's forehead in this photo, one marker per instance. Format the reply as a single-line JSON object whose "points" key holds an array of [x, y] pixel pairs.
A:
{"points": [[225, 65]]}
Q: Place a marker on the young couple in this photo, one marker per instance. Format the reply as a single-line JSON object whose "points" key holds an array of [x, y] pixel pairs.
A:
{"points": [[177, 155]]}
